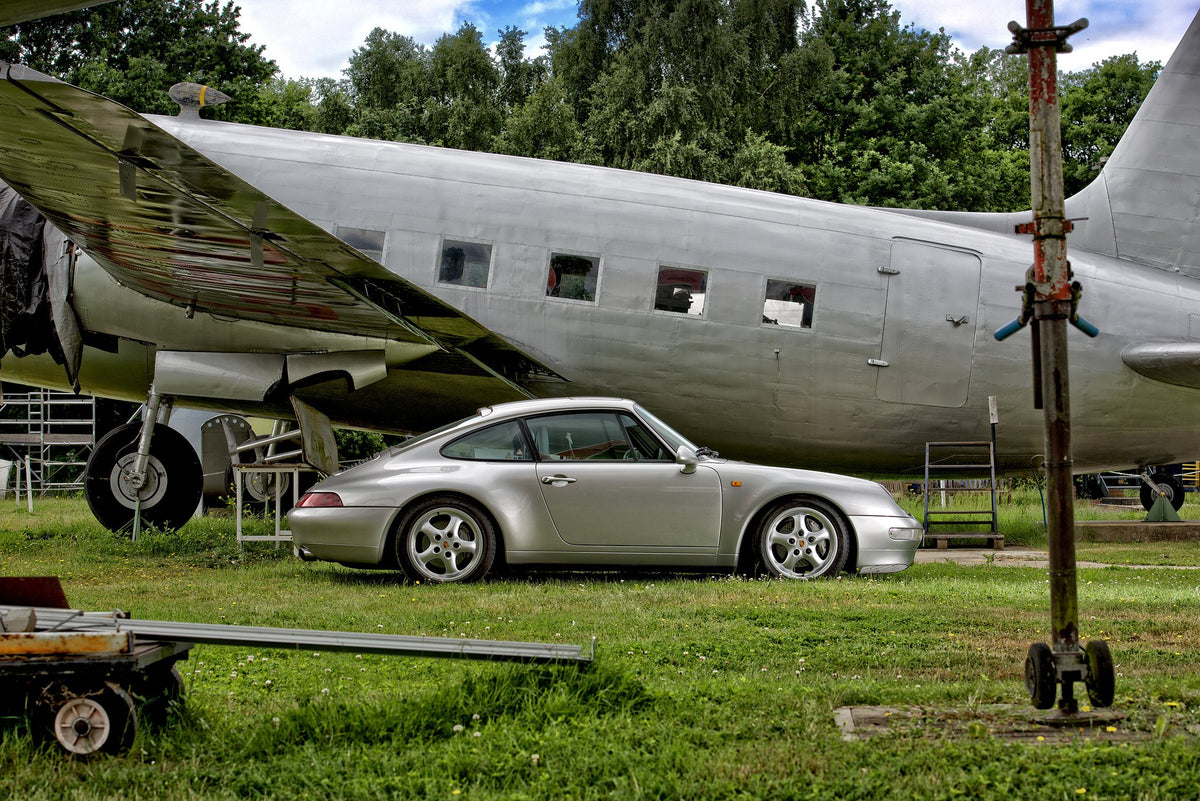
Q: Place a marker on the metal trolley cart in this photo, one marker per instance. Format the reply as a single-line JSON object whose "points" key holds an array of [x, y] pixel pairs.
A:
{"points": [[77, 675], [80, 686]]}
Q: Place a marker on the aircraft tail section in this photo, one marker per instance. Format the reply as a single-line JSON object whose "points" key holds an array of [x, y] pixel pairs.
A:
{"points": [[1145, 204]]}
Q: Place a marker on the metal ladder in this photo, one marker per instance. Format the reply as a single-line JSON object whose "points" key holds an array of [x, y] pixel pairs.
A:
{"points": [[973, 467]]}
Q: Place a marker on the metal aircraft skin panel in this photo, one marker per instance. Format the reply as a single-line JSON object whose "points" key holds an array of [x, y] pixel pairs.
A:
{"points": [[861, 385], [14, 11]]}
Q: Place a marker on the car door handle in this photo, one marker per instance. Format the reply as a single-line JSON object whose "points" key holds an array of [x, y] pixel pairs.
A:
{"points": [[557, 480]]}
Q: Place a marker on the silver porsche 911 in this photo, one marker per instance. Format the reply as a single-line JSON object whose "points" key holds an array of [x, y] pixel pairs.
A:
{"points": [[592, 482]]}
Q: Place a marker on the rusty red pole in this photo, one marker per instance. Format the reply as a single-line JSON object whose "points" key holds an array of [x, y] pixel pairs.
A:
{"points": [[1051, 311]]}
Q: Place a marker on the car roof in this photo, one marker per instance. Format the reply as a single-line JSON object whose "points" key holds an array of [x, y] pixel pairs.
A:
{"points": [[542, 405]]}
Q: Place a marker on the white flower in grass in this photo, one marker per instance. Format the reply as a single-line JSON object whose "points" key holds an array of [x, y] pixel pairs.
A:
{"points": [[457, 728]]}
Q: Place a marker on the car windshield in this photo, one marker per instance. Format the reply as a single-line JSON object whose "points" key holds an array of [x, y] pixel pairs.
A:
{"points": [[673, 438]]}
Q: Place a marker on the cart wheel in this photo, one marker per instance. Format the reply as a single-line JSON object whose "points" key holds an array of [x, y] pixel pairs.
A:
{"points": [[1040, 678], [1100, 683], [159, 690], [86, 724]]}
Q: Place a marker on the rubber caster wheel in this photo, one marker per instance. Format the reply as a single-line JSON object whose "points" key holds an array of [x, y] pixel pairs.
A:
{"points": [[1040, 679], [101, 723], [1100, 683]]}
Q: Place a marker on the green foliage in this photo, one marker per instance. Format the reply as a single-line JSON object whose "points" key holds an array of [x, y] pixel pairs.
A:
{"points": [[133, 51], [837, 99], [1097, 106], [354, 446]]}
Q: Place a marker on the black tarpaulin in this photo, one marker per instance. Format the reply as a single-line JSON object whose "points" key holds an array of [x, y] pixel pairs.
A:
{"points": [[26, 319]]}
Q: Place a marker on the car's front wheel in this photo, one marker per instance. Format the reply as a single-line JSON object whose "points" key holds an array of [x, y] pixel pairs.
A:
{"points": [[445, 539], [803, 538]]}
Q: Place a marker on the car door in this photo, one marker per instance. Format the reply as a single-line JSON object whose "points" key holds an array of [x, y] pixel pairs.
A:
{"points": [[608, 482]]}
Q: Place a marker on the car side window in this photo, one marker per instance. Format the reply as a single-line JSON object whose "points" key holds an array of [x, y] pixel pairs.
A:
{"points": [[645, 445], [503, 442], [579, 436]]}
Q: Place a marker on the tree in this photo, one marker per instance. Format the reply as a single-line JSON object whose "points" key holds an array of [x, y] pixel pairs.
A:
{"points": [[463, 110], [519, 77], [545, 127], [133, 51], [893, 124], [1097, 106]]}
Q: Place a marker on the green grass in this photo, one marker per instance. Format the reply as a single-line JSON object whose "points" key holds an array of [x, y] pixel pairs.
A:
{"points": [[704, 686]]}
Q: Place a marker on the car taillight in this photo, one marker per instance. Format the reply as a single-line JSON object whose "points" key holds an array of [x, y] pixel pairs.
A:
{"points": [[313, 500]]}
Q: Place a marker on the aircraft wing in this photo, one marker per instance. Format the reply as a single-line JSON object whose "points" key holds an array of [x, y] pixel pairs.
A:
{"points": [[168, 222], [14, 11]]}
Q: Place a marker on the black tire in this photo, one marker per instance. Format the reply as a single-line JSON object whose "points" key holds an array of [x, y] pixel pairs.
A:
{"points": [[159, 690], [1101, 679], [93, 722], [1041, 681], [1171, 486], [174, 479], [803, 538], [445, 539]]}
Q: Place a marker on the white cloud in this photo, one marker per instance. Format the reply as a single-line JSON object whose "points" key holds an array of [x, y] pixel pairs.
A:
{"points": [[314, 38], [1116, 26]]}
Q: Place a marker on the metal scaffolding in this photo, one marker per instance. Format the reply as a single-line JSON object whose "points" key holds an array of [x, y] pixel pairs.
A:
{"points": [[52, 432]]}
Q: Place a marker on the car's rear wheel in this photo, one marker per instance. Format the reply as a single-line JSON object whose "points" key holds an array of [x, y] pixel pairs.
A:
{"points": [[803, 538], [446, 539]]}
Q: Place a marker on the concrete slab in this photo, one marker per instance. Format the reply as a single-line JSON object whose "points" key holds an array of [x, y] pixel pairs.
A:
{"points": [[1136, 531], [1009, 557], [999, 722], [1016, 557]]}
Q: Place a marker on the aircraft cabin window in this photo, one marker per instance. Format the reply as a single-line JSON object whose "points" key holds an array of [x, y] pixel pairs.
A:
{"points": [[573, 277], [681, 290], [789, 304], [465, 263], [369, 242]]}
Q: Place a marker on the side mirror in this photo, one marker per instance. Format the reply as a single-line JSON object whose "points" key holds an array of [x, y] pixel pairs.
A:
{"points": [[687, 459]]}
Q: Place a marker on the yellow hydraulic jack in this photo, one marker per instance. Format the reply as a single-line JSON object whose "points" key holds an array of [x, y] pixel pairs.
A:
{"points": [[1051, 300]]}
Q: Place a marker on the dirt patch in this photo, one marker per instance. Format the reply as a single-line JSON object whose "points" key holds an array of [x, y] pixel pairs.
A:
{"points": [[1004, 722]]}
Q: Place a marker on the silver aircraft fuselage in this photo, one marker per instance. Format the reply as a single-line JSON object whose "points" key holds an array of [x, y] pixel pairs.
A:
{"points": [[900, 349], [481, 278]]}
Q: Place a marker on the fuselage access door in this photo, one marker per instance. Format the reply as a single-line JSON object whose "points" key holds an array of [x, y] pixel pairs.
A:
{"points": [[929, 324]]}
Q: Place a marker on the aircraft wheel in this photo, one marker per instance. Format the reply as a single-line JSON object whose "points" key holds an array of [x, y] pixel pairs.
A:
{"points": [[446, 539], [174, 480], [803, 538], [1040, 679], [1101, 683], [103, 722], [1171, 488]]}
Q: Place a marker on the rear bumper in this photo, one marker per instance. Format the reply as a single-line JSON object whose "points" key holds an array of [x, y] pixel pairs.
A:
{"points": [[355, 534]]}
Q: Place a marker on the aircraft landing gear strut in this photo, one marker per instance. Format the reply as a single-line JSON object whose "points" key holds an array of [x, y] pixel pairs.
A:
{"points": [[144, 474], [1051, 300]]}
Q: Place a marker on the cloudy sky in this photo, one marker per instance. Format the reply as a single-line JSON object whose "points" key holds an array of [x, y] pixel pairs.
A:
{"points": [[314, 38]]}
